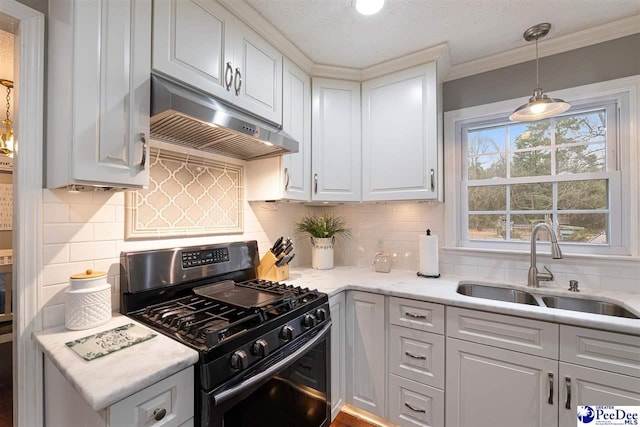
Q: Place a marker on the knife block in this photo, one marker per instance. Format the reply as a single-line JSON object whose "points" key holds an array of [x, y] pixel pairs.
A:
{"points": [[268, 270]]}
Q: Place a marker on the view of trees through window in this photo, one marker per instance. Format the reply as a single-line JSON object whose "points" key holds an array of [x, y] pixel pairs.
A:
{"points": [[553, 171]]}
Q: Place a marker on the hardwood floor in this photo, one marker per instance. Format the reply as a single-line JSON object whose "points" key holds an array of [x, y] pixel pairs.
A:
{"points": [[346, 420]]}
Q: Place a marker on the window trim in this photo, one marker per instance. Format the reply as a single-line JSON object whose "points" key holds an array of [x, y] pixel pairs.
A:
{"points": [[626, 93]]}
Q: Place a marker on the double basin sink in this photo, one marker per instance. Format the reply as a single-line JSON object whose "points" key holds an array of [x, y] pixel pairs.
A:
{"points": [[586, 305]]}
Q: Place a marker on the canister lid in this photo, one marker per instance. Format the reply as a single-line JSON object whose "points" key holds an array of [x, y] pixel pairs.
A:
{"points": [[89, 274]]}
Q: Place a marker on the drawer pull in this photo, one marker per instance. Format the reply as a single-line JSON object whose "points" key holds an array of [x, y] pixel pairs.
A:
{"points": [[159, 414], [422, 411], [415, 316], [567, 382], [550, 401], [413, 356]]}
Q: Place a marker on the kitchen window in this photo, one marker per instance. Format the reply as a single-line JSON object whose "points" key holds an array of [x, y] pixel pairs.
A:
{"points": [[571, 171]]}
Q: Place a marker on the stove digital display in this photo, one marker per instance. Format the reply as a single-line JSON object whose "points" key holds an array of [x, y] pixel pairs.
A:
{"points": [[199, 258]]}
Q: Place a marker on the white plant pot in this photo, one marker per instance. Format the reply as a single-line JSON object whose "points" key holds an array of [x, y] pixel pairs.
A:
{"points": [[322, 253]]}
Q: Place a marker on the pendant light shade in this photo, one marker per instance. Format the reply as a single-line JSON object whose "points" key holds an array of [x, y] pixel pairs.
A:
{"points": [[540, 106]]}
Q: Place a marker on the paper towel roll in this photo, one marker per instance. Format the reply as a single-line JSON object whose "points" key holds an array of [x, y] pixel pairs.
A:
{"points": [[429, 255]]}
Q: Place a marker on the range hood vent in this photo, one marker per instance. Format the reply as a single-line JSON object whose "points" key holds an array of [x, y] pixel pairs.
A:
{"points": [[191, 119]]}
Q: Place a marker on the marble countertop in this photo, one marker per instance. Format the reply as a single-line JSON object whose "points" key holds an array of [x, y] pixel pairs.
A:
{"points": [[108, 379], [443, 290]]}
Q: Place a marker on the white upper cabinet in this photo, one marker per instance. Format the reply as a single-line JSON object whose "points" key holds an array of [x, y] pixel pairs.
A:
{"points": [[400, 135], [200, 43], [288, 176], [98, 93], [336, 143]]}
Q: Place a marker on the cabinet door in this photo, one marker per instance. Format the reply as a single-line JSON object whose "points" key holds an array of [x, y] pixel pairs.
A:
{"points": [[111, 92], [336, 141], [365, 352], [257, 75], [193, 43], [400, 135], [492, 387], [296, 121], [587, 386], [338, 379]]}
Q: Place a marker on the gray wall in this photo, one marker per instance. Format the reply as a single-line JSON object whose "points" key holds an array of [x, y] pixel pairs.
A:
{"points": [[600, 62]]}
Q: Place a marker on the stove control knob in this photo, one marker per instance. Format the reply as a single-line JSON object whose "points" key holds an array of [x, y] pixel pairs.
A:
{"points": [[287, 333], [321, 314], [308, 321], [239, 360], [260, 348]]}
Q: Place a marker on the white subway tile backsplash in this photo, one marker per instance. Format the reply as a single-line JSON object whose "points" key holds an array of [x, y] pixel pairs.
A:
{"points": [[55, 212], [53, 295], [108, 198], [53, 316], [66, 233], [55, 274], [92, 213], [110, 265], [89, 251], [55, 254], [64, 196], [108, 231]]}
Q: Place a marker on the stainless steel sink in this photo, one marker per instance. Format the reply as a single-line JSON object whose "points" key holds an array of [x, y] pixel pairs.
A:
{"points": [[587, 306], [496, 293]]}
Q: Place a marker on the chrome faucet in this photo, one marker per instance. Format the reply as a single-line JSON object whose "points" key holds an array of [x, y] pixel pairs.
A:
{"points": [[534, 275]]}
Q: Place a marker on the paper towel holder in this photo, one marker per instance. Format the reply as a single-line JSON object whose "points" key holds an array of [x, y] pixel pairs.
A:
{"points": [[428, 276]]}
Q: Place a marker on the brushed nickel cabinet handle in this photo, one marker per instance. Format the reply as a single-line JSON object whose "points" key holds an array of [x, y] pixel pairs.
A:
{"points": [[550, 400], [413, 356], [567, 382], [228, 76], [237, 81], [287, 179], [433, 179], [315, 183], [415, 316], [143, 161], [422, 411]]}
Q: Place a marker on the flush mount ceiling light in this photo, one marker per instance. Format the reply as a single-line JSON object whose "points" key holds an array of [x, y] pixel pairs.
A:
{"points": [[540, 106], [6, 142], [369, 7]]}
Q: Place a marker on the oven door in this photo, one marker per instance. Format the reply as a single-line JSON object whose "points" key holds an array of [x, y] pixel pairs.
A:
{"points": [[290, 388]]}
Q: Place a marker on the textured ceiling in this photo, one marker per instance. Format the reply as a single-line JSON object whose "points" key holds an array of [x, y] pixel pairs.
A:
{"points": [[331, 32]]}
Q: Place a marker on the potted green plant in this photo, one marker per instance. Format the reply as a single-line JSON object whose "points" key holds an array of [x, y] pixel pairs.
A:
{"points": [[323, 230]]}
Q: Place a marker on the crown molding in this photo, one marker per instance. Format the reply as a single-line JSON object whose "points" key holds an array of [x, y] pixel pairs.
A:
{"points": [[601, 33], [257, 23]]}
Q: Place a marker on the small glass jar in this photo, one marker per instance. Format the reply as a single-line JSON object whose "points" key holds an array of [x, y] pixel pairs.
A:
{"points": [[382, 262]]}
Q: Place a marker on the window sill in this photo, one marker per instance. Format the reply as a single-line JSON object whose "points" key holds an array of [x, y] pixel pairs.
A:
{"points": [[520, 253]]}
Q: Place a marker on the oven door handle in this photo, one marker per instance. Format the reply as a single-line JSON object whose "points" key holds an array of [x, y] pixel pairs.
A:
{"points": [[225, 395]]}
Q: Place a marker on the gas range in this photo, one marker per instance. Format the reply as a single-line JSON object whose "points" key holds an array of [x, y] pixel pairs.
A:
{"points": [[209, 298]]}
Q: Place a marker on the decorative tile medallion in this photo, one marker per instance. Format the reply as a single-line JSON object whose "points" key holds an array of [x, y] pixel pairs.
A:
{"points": [[187, 196], [106, 342]]}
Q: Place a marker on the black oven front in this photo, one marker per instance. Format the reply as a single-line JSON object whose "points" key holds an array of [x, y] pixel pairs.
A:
{"points": [[289, 388]]}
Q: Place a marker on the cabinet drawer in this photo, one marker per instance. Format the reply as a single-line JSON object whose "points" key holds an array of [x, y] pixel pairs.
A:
{"points": [[599, 349], [173, 395], [421, 315], [513, 333], [415, 404], [417, 355]]}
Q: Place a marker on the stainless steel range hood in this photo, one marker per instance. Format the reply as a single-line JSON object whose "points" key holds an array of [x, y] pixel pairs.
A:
{"points": [[185, 117]]}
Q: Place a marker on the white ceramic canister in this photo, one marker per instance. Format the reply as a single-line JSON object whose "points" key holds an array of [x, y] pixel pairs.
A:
{"points": [[87, 300], [322, 253]]}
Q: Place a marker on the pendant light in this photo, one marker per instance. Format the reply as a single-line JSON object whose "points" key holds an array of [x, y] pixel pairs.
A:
{"points": [[369, 7], [540, 106], [6, 141]]}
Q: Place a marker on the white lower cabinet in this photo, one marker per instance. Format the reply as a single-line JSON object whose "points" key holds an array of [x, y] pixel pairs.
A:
{"points": [[493, 387], [338, 331], [414, 404], [586, 386], [366, 375], [167, 403]]}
